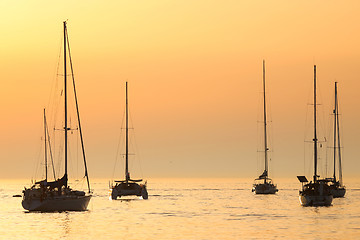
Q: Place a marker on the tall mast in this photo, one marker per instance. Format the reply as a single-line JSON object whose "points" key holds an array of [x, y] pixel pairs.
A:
{"points": [[65, 94], [335, 128], [127, 177], [265, 123], [338, 137], [315, 136], [46, 173]]}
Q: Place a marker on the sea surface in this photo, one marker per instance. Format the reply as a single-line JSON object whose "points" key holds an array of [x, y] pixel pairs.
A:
{"points": [[187, 209]]}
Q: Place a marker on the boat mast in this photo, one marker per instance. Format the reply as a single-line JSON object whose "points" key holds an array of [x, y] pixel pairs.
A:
{"points": [[335, 128], [46, 173], [338, 136], [127, 177], [65, 94], [265, 123], [315, 136]]}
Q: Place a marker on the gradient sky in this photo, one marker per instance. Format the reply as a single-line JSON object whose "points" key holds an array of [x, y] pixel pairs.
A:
{"points": [[194, 70]]}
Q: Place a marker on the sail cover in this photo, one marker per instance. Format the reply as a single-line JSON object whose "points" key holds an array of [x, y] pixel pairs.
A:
{"points": [[58, 183], [263, 175]]}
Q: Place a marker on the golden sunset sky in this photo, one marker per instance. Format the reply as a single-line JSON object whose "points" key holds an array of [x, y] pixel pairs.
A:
{"points": [[195, 79]]}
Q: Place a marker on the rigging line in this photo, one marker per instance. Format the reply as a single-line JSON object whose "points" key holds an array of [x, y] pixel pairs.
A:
{"points": [[339, 143], [57, 149], [307, 153], [71, 163], [79, 184], [329, 155], [135, 143], [38, 159], [321, 123], [50, 150], [51, 156], [37, 155], [259, 134], [54, 113], [270, 132], [55, 78], [270, 126], [326, 163], [54, 144], [78, 114], [119, 144], [339, 153], [306, 132], [307, 159], [304, 167], [55, 103], [310, 103], [322, 130], [77, 155], [332, 134], [60, 153], [138, 158], [55, 109]]}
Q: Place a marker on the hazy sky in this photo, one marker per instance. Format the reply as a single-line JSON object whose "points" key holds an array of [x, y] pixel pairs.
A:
{"points": [[194, 70]]}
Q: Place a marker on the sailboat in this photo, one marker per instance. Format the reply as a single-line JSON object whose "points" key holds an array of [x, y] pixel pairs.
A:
{"points": [[128, 186], [316, 193], [49, 196], [263, 184], [337, 188]]}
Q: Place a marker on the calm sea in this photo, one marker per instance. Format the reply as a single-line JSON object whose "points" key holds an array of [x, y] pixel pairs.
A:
{"points": [[187, 209]]}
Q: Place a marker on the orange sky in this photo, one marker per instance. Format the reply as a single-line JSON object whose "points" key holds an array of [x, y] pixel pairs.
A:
{"points": [[194, 73]]}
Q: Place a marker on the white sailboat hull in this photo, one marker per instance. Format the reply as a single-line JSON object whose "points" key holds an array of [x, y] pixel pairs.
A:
{"points": [[264, 188], [315, 200], [59, 203]]}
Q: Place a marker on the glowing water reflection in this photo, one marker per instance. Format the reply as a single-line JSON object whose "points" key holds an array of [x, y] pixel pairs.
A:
{"points": [[187, 209]]}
